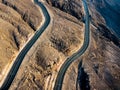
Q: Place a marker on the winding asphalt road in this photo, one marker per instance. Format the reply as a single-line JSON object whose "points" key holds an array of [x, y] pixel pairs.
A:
{"points": [[60, 77], [20, 57]]}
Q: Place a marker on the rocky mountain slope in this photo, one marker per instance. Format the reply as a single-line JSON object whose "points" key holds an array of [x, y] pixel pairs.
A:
{"points": [[100, 64], [97, 69], [100, 69], [110, 12], [15, 27], [63, 38]]}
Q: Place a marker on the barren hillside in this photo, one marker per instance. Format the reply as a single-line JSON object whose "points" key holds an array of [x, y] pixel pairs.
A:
{"points": [[16, 27], [97, 69]]}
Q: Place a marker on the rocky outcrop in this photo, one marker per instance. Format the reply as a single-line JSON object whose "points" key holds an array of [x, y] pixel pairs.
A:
{"points": [[73, 7], [101, 62]]}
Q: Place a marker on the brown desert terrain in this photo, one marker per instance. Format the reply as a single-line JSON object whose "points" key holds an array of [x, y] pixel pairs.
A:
{"points": [[15, 29], [57, 43], [97, 69]]}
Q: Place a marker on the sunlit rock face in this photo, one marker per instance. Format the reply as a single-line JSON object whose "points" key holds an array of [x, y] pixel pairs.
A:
{"points": [[110, 11]]}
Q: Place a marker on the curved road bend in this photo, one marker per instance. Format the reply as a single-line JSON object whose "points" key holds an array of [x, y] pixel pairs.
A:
{"points": [[61, 73], [20, 57]]}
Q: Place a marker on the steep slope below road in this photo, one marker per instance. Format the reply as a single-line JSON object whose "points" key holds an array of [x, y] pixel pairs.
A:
{"points": [[110, 11]]}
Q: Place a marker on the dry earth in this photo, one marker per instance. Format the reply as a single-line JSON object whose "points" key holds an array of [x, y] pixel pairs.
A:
{"points": [[15, 27], [97, 69], [100, 66], [63, 38]]}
